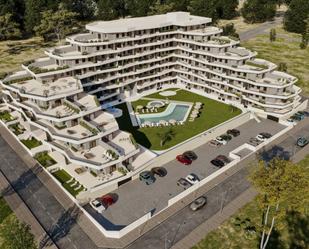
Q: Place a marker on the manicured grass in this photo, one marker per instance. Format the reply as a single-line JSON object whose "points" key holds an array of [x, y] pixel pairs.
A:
{"points": [[17, 129], [6, 116], [44, 159], [233, 232], [209, 117], [62, 176], [31, 143], [144, 102], [285, 49]]}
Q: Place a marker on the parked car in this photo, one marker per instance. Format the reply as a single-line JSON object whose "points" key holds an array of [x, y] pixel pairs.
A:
{"points": [[297, 117], [182, 159], [147, 177], [160, 171], [214, 143], [291, 121], [183, 183], [221, 140], [217, 163], [302, 142], [223, 159], [107, 200], [304, 113], [192, 178], [198, 203], [266, 135], [233, 132], [190, 155], [97, 205], [300, 114], [226, 137], [254, 141]]}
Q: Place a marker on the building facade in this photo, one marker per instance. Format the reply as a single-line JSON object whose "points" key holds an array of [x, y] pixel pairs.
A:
{"points": [[68, 94]]}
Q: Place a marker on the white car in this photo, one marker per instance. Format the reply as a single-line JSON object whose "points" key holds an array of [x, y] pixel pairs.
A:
{"points": [[221, 140], [97, 205], [261, 138], [291, 121], [192, 178]]}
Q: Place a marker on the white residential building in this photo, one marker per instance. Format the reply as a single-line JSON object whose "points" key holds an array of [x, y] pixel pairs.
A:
{"points": [[64, 93]]}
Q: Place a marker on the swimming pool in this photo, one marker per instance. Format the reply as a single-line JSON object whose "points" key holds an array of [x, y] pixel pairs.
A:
{"points": [[178, 112]]}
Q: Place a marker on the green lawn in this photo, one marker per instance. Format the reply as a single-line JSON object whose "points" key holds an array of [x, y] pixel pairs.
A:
{"points": [[17, 129], [284, 49], [209, 117], [62, 176], [6, 116], [31, 143], [44, 159], [234, 232]]}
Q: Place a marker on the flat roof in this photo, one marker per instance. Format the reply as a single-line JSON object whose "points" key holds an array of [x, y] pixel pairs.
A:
{"points": [[147, 22]]}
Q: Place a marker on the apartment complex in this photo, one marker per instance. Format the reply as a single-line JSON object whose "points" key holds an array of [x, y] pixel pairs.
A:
{"points": [[68, 95]]}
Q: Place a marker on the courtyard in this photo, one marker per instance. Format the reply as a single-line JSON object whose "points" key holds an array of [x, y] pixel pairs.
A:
{"points": [[165, 136]]}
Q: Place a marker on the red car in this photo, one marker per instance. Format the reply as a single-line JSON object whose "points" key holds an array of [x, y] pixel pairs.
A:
{"points": [[184, 160], [107, 200]]}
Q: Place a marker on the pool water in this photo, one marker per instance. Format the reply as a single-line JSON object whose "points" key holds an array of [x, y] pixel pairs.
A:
{"points": [[178, 112]]}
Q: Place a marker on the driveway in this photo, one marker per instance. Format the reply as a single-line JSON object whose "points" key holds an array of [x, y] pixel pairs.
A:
{"points": [[136, 199]]}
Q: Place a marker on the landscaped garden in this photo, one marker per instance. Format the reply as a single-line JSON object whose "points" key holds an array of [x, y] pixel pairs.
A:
{"points": [[71, 185], [212, 114], [17, 129], [31, 143], [44, 159], [6, 116]]}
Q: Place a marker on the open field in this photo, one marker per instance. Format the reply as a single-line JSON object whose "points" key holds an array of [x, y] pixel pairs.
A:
{"points": [[208, 118], [284, 49], [238, 231], [14, 53]]}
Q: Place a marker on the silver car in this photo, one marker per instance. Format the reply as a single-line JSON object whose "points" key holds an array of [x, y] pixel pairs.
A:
{"points": [[198, 203]]}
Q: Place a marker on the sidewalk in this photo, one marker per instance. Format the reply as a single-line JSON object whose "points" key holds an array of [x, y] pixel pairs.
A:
{"points": [[23, 213]]}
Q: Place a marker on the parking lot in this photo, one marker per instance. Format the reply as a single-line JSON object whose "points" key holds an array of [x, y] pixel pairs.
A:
{"points": [[136, 198]]}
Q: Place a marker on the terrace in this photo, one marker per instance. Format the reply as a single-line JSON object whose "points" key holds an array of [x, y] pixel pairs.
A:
{"points": [[67, 85]]}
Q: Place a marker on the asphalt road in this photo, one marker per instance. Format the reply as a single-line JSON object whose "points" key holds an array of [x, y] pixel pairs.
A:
{"points": [[136, 198], [60, 224], [175, 228], [261, 29]]}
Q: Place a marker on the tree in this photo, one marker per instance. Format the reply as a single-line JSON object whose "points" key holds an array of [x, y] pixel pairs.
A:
{"points": [[159, 8], [111, 9], [282, 188], [139, 7], [226, 9], [86, 9], [33, 9], [204, 8], [305, 36], [16, 235], [166, 136], [272, 35], [179, 5], [283, 67], [57, 23], [295, 16], [229, 30], [14, 7], [256, 11], [9, 29]]}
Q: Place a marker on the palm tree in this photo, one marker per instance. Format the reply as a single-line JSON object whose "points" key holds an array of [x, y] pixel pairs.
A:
{"points": [[166, 136]]}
